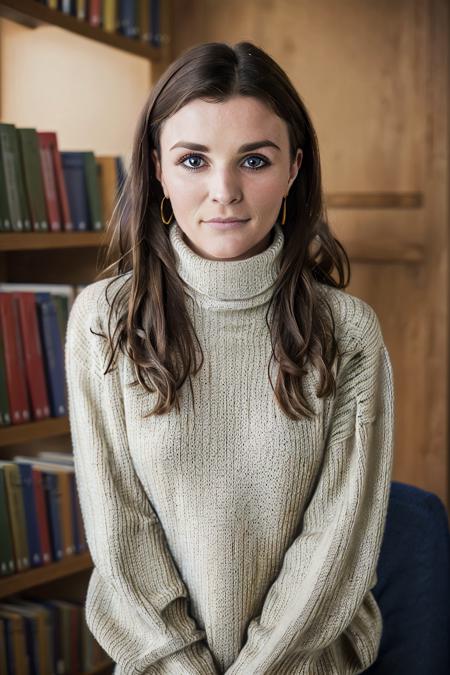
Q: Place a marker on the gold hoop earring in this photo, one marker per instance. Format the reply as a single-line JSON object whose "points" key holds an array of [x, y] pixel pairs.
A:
{"points": [[283, 218], [166, 222]]}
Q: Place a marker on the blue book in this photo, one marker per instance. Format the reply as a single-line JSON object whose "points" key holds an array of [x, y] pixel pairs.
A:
{"points": [[155, 21], [53, 353], [65, 459], [31, 640], [77, 194], [8, 629], [57, 638], [128, 18], [66, 6], [80, 546], [53, 502], [32, 526]]}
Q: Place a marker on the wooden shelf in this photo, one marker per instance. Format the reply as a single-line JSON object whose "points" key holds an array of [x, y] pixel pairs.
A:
{"points": [[31, 241], [32, 14], [24, 433], [38, 576], [374, 200], [383, 251]]}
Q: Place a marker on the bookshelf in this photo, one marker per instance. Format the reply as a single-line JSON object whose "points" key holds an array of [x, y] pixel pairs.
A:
{"points": [[27, 433], [24, 581], [32, 14], [59, 257], [34, 241]]}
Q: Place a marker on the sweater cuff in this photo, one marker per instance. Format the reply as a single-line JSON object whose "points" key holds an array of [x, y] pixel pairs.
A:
{"points": [[195, 659], [193, 656]]}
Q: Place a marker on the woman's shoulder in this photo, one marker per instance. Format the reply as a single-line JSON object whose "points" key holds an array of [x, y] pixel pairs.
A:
{"points": [[357, 326], [88, 323], [93, 302]]}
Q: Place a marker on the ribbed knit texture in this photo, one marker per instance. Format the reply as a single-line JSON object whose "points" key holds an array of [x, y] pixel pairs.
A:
{"points": [[233, 539]]}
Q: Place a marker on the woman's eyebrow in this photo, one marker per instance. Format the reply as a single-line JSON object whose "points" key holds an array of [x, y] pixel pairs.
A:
{"points": [[244, 148]]}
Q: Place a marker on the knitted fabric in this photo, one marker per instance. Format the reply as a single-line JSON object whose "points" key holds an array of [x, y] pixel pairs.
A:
{"points": [[230, 538]]}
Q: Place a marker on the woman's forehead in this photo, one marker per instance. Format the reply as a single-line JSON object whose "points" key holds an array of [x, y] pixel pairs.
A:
{"points": [[242, 119]]}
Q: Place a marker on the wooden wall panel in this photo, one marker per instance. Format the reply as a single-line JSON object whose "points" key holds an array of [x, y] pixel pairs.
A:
{"points": [[395, 291], [374, 77], [359, 67]]}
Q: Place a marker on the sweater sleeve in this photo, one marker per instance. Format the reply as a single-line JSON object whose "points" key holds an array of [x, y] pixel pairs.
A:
{"points": [[136, 603], [319, 617]]}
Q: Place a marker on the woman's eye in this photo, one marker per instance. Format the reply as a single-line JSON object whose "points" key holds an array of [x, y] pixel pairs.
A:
{"points": [[188, 158], [252, 158], [258, 159]]}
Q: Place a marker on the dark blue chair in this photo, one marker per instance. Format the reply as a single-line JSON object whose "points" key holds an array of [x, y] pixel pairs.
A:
{"points": [[413, 589]]}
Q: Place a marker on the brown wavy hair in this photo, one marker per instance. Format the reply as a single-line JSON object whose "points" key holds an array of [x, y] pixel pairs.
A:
{"points": [[151, 320]]}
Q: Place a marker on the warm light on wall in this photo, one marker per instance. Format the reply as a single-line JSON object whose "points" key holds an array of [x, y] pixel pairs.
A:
{"points": [[95, 92]]}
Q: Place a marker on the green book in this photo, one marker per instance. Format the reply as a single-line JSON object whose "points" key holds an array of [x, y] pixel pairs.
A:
{"points": [[32, 171], [62, 314], [16, 510], [5, 217], [15, 184], [93, 191]]}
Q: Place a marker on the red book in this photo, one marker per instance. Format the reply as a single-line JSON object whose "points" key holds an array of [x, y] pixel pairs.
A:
{"points": [[34, 362], [14, 360], [49, 180], [50, 141], [95, 12], [42, 517]]}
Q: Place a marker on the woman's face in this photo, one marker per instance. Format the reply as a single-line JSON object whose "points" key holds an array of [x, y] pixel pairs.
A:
{"points": [[207, 172]]}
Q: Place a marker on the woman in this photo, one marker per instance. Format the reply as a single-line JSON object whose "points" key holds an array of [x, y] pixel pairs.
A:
{"points": [[235, 524]]}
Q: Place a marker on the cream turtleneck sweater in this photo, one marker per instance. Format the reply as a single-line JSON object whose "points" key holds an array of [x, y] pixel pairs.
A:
{"points": [[234, 539]]}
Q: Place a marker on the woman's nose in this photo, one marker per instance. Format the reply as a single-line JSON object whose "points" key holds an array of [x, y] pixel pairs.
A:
{"points": [[225, 187]]}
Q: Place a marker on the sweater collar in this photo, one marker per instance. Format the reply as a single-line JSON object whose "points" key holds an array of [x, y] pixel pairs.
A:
{"points": [[228, 283]]}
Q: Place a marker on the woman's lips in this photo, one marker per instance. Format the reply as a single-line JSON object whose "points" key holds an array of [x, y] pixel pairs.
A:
{"points": [[230, 225]]}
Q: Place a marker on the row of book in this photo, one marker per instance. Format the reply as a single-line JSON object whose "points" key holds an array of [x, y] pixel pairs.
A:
{"points": [[137, 19], [41, 636], [40, 513], [44, 189], [33, 321]]}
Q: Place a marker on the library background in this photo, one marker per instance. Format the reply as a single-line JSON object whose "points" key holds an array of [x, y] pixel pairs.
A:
{"points": [[74, 75], [56, 196]]}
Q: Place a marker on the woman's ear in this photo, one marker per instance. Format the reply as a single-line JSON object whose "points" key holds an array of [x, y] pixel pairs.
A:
{"points": [[295, 167], [157, 164]]}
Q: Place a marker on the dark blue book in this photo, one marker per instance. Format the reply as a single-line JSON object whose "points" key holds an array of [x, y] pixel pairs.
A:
{"points": [[73, 165], [31, 641], [32, 526], [53, 502], [79, 545], [53, 353], [8, 629], [57, 637], [128, 18], [155, 22], [67, 6]]}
